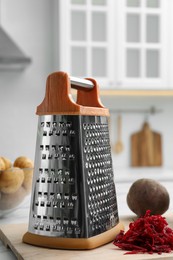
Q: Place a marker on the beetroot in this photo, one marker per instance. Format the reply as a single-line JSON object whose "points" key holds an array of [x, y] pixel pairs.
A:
{"points": [[148, 234]]}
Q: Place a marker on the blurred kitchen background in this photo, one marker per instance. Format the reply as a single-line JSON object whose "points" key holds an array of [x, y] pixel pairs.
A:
{"points": [[126, 45]]}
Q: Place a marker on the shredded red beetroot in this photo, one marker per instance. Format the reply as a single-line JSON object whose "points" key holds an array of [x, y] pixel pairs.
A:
{"points": [[148, 234]]}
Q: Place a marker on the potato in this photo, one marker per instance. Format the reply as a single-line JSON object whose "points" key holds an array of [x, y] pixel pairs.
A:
{"points": [[7, 162], [23, 162], [2, 164], [147, 194], [10, 201], [11, 180]]}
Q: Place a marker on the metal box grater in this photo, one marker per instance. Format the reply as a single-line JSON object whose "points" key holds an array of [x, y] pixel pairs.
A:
{"points": [[73, 203]]}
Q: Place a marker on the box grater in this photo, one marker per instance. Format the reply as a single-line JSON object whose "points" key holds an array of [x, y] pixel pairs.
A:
{"points": [[73, 202]]}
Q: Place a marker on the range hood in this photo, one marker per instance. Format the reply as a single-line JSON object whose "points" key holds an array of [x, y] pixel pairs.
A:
{"points": [[11, 56]]}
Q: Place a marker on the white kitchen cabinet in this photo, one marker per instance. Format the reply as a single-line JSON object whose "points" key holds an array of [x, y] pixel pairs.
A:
{"points": [[124, 44], [85, 37], [144, 39]]}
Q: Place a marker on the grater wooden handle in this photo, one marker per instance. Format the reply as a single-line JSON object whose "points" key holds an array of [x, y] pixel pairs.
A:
{"points": [[58, 98], [89, 98]]}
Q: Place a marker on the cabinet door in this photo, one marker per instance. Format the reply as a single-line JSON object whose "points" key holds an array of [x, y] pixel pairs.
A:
{"points": [[122, 43], [143, 40], [85, 38]]}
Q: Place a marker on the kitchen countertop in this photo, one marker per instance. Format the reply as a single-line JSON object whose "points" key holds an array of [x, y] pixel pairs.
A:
{"points": [[130, 174], [20, 215], [123, 179]]}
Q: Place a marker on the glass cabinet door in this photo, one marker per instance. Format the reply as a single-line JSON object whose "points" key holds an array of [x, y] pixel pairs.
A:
{"points": [[87, 39], [122, 43], [144, 44]]}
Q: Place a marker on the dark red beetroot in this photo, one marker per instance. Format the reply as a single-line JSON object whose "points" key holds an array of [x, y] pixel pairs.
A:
{"points": [[148, 234], [147, 194]]}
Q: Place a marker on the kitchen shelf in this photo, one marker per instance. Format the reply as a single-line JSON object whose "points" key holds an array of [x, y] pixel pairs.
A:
{"points": [[140, 93]]}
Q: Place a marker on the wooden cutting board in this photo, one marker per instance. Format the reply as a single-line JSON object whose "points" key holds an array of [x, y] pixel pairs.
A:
{"points": [[12, 234], [146, 147]]}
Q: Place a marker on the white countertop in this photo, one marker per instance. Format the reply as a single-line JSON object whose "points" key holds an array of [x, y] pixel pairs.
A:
{"points": [[130, 174], [123, 180], [20, 215]]}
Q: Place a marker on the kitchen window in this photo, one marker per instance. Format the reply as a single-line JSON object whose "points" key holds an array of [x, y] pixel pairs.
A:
{"points": [[123, 43]]}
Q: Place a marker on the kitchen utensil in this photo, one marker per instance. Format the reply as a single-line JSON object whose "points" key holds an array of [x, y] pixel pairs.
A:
{"points": [[118, 147], [73, 203], [146, 147]]}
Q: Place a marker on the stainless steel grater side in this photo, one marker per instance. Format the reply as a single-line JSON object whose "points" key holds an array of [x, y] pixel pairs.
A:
{"points": [[73, 202]]}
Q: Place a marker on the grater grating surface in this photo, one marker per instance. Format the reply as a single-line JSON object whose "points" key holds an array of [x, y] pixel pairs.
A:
{"points": [[98, 174], [73, 192]]}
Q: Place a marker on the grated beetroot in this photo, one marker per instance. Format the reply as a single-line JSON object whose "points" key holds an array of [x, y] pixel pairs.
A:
{"points": [[148, 234]]}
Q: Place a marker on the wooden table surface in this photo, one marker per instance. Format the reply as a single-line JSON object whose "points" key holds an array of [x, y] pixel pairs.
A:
{"points": [[11, 235]]}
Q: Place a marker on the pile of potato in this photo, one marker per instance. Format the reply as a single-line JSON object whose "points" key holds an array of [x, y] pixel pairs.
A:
{"points": [[15, 181]]}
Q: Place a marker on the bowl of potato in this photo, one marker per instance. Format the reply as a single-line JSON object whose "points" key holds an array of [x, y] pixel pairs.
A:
{"points": [[15, 182]]}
